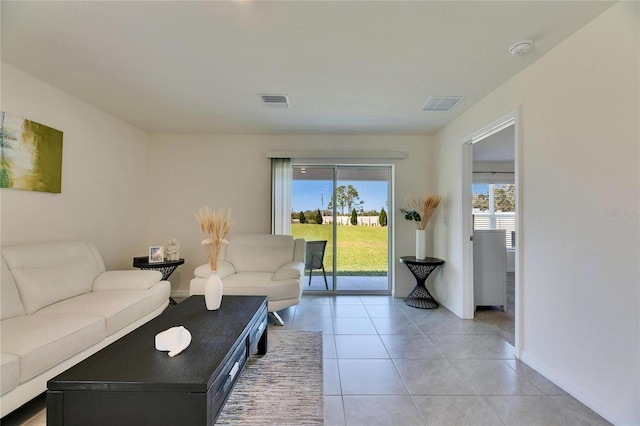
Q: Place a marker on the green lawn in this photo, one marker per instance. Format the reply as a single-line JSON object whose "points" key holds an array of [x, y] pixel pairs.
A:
{"points": [[362, 250]]}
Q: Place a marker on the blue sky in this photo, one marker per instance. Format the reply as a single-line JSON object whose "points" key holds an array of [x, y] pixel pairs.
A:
{"points": [[480, 188], [316, 194]]}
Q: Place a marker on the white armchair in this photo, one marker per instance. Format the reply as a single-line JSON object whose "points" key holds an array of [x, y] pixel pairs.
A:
{"points": [[259, 264]]}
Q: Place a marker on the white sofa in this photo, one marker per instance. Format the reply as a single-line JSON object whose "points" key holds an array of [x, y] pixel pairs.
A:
{"points": [[58, 306], [261, 265]]}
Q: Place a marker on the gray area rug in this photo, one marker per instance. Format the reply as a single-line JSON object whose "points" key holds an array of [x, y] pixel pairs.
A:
{"points": [[283, 387]]}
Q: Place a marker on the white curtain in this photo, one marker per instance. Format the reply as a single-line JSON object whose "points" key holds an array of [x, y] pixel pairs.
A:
{"points": [[281, 177]]}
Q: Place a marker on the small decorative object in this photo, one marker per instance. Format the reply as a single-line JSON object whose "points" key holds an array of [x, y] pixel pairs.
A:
{"points": [[172, 250], [31, 155], [421, 243], [213, 291], [174, 340], [216, 228], [156, 254], [420, 210]]}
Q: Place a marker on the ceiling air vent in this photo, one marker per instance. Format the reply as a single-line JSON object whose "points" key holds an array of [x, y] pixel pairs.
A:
{"points": [[441, 103], [275, 101]]}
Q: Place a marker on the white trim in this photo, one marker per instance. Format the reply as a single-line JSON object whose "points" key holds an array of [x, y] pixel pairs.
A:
{"points": [[569, 385], [180, 294], [517, 164], [466, 229], [332, 155], [466, 162]]}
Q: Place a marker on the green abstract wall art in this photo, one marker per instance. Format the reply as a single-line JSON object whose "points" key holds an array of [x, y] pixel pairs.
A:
{"points": [[30, 155]]}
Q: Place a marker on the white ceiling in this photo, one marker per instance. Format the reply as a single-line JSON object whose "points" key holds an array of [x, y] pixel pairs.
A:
{"points": [[348, 66], [499, 146]]}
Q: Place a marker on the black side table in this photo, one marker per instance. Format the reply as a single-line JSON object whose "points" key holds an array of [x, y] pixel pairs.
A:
{"points": [[421, 269], [167, 267]]}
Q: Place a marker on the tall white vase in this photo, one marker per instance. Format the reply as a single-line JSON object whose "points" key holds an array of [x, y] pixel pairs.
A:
{"points": [[213, 291], [421, 243]]}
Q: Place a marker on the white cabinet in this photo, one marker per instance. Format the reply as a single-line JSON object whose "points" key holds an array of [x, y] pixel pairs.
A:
{"points": [[490, 268]]}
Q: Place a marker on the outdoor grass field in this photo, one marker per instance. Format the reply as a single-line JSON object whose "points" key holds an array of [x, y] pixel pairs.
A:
{"points": [[362, 250]]}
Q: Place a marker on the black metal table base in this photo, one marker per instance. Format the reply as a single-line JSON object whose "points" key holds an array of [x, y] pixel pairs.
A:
{"points": [[166, 268], [421, 269], [421, 298]]}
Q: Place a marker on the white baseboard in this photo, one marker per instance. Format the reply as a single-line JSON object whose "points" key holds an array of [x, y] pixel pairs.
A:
{"points": [[180, 293], [559, 379]]}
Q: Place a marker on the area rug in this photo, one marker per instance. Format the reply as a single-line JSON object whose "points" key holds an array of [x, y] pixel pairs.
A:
{"points": [[283, 387]]}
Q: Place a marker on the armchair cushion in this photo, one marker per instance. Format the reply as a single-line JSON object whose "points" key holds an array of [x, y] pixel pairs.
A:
{"points": [[261, 284], [291, 270], [259, 252], [224, 270]]}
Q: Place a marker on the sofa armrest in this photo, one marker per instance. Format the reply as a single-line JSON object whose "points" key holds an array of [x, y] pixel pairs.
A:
{"points": [[291, 270], [126, 280], [224, 270]]}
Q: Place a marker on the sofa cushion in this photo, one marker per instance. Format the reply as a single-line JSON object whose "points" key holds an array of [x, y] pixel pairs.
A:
{"points": [[259, 252], [49, 272], [9, 372], [126, 280], [10, 303], [119, 307], [260, 284], [42, 341]]}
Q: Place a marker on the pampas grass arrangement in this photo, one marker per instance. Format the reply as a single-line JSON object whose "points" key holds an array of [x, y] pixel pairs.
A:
{"points": [[216, 227], [421, 209]]}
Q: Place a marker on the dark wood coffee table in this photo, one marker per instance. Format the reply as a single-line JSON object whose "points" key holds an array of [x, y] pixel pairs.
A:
{"points": [[131, 383]]}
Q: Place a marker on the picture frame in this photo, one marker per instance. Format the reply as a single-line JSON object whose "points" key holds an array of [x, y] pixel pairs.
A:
{"points": [[156, 254]]}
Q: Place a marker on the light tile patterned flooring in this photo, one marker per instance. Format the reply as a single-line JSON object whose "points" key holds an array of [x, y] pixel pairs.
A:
{"points": [[386, 363]]}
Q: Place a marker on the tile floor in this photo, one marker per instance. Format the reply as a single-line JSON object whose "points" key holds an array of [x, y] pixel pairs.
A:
{"points": [[386, 363]]}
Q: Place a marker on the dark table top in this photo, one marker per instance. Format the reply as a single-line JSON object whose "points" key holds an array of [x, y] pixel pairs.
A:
{"points": [[425, 261], [143, 262], [133, 363]]}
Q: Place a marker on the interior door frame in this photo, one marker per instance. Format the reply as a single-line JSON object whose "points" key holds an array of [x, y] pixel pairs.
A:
{"points": [[466, 216]]}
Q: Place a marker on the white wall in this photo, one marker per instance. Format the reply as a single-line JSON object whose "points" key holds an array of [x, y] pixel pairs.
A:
{"points": [[234, 172], [104, 175], [580, 152]]}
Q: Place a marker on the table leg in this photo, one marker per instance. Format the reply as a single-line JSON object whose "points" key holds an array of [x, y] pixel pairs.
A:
{"points": [[420, 296]]}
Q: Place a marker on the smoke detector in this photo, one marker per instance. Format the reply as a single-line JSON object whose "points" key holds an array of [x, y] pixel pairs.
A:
{"points": [[521, 48]]}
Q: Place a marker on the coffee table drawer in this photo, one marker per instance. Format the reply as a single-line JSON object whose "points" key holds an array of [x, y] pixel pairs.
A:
{"points": [[257, 332], [221, 388]]}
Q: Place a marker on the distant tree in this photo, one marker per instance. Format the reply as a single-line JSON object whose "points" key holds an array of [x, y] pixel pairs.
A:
{"points": [[319, 217], [505, 198], [346, 197], [302, 217], [382, 218], [481, 202], [354, 217]]}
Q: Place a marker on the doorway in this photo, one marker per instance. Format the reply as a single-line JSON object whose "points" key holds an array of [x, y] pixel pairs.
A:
{"points": [[345, 209], [490, 207]]}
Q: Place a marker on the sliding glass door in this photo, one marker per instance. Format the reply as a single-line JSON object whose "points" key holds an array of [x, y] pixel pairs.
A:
{"points": [[342, 212]]}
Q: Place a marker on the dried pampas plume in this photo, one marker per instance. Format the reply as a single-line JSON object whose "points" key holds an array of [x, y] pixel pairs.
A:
{"points": [[216, 227]]}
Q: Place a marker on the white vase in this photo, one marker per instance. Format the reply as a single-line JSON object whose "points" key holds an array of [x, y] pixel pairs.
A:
{"points": [[213, 291], [421, 243]]}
